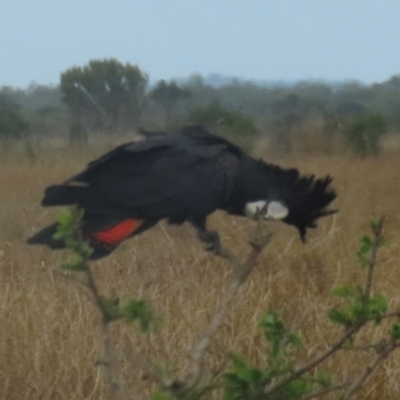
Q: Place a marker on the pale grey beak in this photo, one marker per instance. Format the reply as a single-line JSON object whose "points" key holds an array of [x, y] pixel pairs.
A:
{"points": [[274, 210]]}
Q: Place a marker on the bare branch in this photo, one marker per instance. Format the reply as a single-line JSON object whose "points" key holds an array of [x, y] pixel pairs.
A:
{"points": [[240, 272], [139, 361], [377, 230], [323, 392], [68, 276], [109, 360], [391, 315], [311, 365], [369, 369], [339, 345]]}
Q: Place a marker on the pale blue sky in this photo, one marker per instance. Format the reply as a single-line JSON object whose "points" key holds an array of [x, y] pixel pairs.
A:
{"points": [[250, 39]]}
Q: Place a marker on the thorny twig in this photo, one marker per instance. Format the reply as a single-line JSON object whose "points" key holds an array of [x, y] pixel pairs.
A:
{"points": [[241, 271], [308, 367], [383, 349], [377, 231], [109, 360], [369, 369], [138, 361], [322, 392]]}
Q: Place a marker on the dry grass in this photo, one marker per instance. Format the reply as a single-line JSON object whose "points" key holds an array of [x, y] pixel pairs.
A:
{"points": [[49, 338]]}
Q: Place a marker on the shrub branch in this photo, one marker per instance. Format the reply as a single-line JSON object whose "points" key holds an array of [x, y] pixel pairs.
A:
{"points": [[239, 275], [281, 378]]}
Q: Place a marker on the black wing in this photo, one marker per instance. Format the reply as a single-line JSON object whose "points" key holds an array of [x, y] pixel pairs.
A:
{"points": [[178, 176]]}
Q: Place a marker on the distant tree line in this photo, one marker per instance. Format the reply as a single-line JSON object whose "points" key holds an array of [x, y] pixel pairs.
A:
{"points": [[110, 97]]}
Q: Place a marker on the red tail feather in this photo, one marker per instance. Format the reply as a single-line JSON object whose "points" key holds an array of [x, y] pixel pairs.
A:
{"points": [[118, 233]]}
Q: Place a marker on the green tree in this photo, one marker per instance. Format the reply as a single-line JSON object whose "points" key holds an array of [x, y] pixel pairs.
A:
{"points": [[104, 94], [234, 125], [33, 98], [168, 95], [365, 133], [12, 124]]}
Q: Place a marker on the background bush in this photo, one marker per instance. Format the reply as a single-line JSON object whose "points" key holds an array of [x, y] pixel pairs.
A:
{"points": [[12, 124], [365, 133], [234, 125]]}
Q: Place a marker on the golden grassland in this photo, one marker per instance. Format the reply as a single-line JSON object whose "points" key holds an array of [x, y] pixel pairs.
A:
{"points": [[49, 327]]}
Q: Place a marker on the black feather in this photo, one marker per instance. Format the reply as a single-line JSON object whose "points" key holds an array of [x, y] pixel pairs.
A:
{"points": [[61, 195], [184, 176], [45, 237]]}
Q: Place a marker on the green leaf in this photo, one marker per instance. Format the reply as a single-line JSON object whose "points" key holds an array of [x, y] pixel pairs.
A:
{"points": [[159, 396], [139, 310], [340, 317], [295, 340], [366, 245], [67, 228], [237, 362], [376, 306], [245, 381], [349, 290], [64, 218], [112, 308], [374, 223], [384, 243], [295, 389], [395, 332], [273, 327], [342, 291], [78, 266], [323, 378]]}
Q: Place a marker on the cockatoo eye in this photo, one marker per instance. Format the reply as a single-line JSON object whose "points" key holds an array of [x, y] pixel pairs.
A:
{"points": [[264, 210]]}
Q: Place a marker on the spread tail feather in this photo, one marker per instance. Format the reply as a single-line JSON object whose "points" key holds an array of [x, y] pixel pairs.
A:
{"points": [[103, 235], [45, 237]]}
